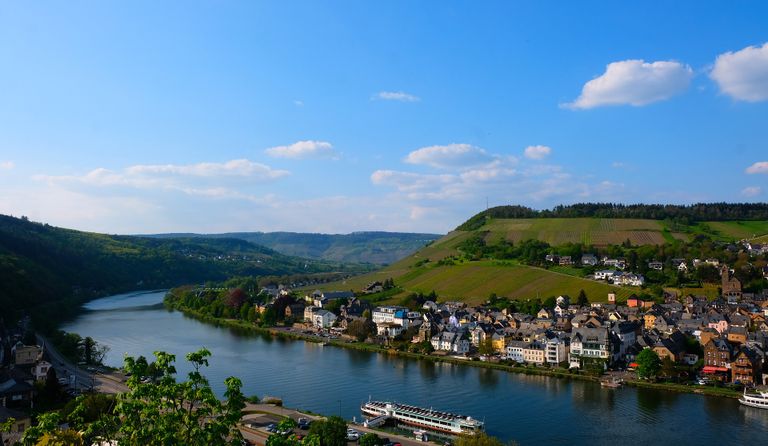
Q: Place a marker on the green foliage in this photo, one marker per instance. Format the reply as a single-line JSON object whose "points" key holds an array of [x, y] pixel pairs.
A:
{"points": [[486, 346], [479, 439], [332, 432], [371, 439], [648, 364], [361, 329]]}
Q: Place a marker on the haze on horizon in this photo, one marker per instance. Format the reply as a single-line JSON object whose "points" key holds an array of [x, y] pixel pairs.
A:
{"points": [[342, 116]]}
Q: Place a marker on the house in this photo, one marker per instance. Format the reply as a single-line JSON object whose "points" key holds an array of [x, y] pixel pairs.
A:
{"points": [[479, 333], [26, 354], [635, 302], [514, 351], [668, 348], [321, 299], [717, 358], [309, 312], [450, 341], [605, 274], [717, 321], [589, 346], [626, 334], [746, 367], [373, 287], [629, 279], [737, 335], [15, 391], [498, 342], [615, 263], [656, 265], [565, 261], [556, 350], [534, 353], [40, 370], [589, 260], [323, 318], [21, 422], [295, 311], [552, 258]]}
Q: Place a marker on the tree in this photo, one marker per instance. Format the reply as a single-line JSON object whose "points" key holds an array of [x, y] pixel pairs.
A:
{"points": [[332, 432], [370, 439], [360, 329], [169, 412], [486, 346], [582, 300], [159, 412], [648, 364]]}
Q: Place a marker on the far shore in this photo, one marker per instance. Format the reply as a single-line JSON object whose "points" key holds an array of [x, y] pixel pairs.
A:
{"points": [[289, 333]]}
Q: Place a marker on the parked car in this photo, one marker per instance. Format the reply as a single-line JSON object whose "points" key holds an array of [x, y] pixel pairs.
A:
{"points": [[353, 435], [271, 427], [304, 423]]}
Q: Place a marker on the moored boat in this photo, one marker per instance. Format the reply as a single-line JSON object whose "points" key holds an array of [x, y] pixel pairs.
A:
{"points": [[758, 400], [423, 418]]}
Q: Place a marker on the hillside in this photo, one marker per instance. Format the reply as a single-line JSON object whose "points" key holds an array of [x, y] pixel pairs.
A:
{"points": [[379, 248], [502, 250], [41, 265]]}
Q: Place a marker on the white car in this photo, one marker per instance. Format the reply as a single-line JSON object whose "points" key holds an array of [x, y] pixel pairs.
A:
{"points": [[353, 435]]}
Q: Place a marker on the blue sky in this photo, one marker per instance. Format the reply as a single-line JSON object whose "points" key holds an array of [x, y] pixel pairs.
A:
{"points": [[142, 117]]}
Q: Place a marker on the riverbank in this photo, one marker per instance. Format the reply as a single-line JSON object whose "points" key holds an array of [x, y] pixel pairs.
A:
{"points": [[287, 333]]}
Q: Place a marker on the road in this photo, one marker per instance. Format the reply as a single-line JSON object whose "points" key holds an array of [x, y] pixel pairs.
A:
{"points": [[108, 382]]}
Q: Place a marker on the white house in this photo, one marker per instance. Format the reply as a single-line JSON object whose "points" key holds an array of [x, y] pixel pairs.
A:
{"points": [[605, 274], [323, 318], [40, 370], [450, 341], [515, 350], [556, 350]]}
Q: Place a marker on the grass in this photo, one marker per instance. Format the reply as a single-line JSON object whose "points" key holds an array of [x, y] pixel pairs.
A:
{"points": [[597, 231], [739, 229]]}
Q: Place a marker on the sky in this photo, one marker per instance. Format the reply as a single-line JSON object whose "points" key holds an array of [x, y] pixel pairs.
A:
{"points": [[339, 116]]}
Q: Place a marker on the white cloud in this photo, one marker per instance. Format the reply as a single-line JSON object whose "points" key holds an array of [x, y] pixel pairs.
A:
{"points": [[634, 82], [298, 103], [450, 156], [758, 167], [619, 165], [751, 191], [237, 168], [743, 74], [537, 152], [303, 150], [7, 165], [400, 96]]}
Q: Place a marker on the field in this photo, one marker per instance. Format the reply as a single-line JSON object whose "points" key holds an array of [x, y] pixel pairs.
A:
{"points": [[590, 231], [739, 229], [473, 282]]}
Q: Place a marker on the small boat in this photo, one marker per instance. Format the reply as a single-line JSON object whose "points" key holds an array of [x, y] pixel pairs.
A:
{"points": [[758, 400]]}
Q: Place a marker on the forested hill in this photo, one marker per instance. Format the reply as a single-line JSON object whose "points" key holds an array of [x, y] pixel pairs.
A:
{"points": [[41, 265], [685, 214], [358, 247]]}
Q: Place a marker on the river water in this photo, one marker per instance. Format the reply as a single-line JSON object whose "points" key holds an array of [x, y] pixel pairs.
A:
{"points": [[330, 380]]}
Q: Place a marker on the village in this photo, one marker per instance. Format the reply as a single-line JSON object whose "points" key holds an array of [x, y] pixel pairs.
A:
{"points": [[698, 340]]}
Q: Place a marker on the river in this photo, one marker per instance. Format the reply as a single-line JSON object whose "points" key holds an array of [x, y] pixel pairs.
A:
{"points": [[331, 380]]}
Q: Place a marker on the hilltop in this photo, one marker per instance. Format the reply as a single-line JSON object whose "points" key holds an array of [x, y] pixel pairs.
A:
{"points": [[379, 248], [502, 250], [52, 270]]}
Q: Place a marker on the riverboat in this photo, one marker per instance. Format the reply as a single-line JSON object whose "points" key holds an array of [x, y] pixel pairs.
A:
{"points": [[423, 418], [758, 400]]}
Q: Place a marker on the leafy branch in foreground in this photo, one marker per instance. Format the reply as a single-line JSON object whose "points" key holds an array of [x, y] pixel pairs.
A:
{"points": [[157, 410]]}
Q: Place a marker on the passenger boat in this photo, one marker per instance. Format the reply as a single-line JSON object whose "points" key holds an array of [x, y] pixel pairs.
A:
{"points": [[758, 400], [423, 418]]}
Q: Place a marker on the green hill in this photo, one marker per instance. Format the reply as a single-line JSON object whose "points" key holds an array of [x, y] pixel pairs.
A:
{"points": [[501, 250], [51, 270], [379, 248]]}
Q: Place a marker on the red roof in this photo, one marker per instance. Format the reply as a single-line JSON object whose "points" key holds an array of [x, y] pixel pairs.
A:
{"points": [[712, 369]]}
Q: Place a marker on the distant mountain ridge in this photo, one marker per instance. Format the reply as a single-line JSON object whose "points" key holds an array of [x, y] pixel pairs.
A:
{"points": [[52, 270], [376, 247]]}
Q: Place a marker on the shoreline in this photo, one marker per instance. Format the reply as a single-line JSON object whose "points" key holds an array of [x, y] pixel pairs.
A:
{"points": [[362, 346]]}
